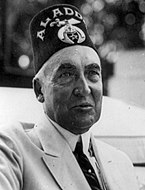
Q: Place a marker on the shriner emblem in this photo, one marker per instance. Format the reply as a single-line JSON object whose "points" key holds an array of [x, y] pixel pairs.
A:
{"points": [[69, 33]]}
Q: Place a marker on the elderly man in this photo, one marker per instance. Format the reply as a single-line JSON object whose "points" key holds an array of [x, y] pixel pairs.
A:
{"points": [[59, 152]]}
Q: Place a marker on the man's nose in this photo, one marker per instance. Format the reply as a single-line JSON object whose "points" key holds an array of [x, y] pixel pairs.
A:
{"points": [[82, 87]]}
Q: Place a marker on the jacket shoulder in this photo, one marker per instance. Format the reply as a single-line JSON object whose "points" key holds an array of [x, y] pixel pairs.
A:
{"points": [[14, 130], [15, 126]]}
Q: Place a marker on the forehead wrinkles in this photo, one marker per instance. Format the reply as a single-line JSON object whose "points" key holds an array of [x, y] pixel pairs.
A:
{"points": [[82, 54], [65, 56], [52, 65], [76, 54]]}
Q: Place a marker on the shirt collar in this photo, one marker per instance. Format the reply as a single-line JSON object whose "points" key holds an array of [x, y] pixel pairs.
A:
{"points": [[86, 142], [72, 139]]}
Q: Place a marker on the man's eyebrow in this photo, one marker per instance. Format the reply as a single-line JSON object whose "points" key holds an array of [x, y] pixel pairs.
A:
{"points": [[93, 66], [65, 66]]}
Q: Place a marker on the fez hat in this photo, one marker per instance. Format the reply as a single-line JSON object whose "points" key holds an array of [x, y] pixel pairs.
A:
{"points": [[54, 28]]}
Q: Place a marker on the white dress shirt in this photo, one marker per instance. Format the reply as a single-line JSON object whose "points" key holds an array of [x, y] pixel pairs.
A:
{"points": [[72, 140]]}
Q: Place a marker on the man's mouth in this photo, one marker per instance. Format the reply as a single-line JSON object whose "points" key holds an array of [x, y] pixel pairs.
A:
{"points": [[83, 106]]}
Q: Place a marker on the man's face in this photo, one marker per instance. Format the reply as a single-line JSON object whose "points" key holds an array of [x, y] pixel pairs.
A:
{"points": [[72, 88]]}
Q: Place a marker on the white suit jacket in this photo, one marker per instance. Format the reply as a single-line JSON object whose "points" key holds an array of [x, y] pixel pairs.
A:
{"points": [[38, 158]]}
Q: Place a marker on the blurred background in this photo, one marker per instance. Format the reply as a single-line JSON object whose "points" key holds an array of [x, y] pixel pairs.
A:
{"points": [[117, 28]]}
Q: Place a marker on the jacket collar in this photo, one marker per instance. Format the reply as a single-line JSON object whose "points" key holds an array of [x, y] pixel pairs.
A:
{"points": [[50, 138], [59, 158]]}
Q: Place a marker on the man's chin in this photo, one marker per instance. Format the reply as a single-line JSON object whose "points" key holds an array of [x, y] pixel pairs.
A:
{"points": [[80, 130], [77, 124], [81, 127]]}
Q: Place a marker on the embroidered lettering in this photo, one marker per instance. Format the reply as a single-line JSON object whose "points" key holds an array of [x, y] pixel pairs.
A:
{"points": [[57, 12], [40, 34], [68, 11], [45, 23], [69, 33], [78, 15]]}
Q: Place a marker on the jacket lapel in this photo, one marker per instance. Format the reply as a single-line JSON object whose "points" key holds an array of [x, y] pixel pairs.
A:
{"points": [[116, 171], [66, 172], [59, 159]]}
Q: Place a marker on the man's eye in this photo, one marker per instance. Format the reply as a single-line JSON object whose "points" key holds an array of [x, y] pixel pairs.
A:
{"points": [[93, 75], [65, 75]]}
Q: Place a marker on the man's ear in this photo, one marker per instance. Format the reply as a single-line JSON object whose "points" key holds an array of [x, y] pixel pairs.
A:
{"points": [[37, 90]]}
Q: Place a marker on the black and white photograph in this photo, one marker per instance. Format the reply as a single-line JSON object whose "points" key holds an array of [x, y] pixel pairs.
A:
{"points": [[72, 95]]}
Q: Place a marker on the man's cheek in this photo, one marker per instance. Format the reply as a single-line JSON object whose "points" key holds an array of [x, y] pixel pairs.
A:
{"points": [[60, 99], [62, 93]]}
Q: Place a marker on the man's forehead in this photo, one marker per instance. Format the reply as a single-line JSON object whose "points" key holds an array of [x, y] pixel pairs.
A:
{"points": [[75, 54], [71, 56]]}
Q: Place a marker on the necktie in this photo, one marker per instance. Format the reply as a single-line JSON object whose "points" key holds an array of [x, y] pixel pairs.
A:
{"points": [[86, 167]]}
